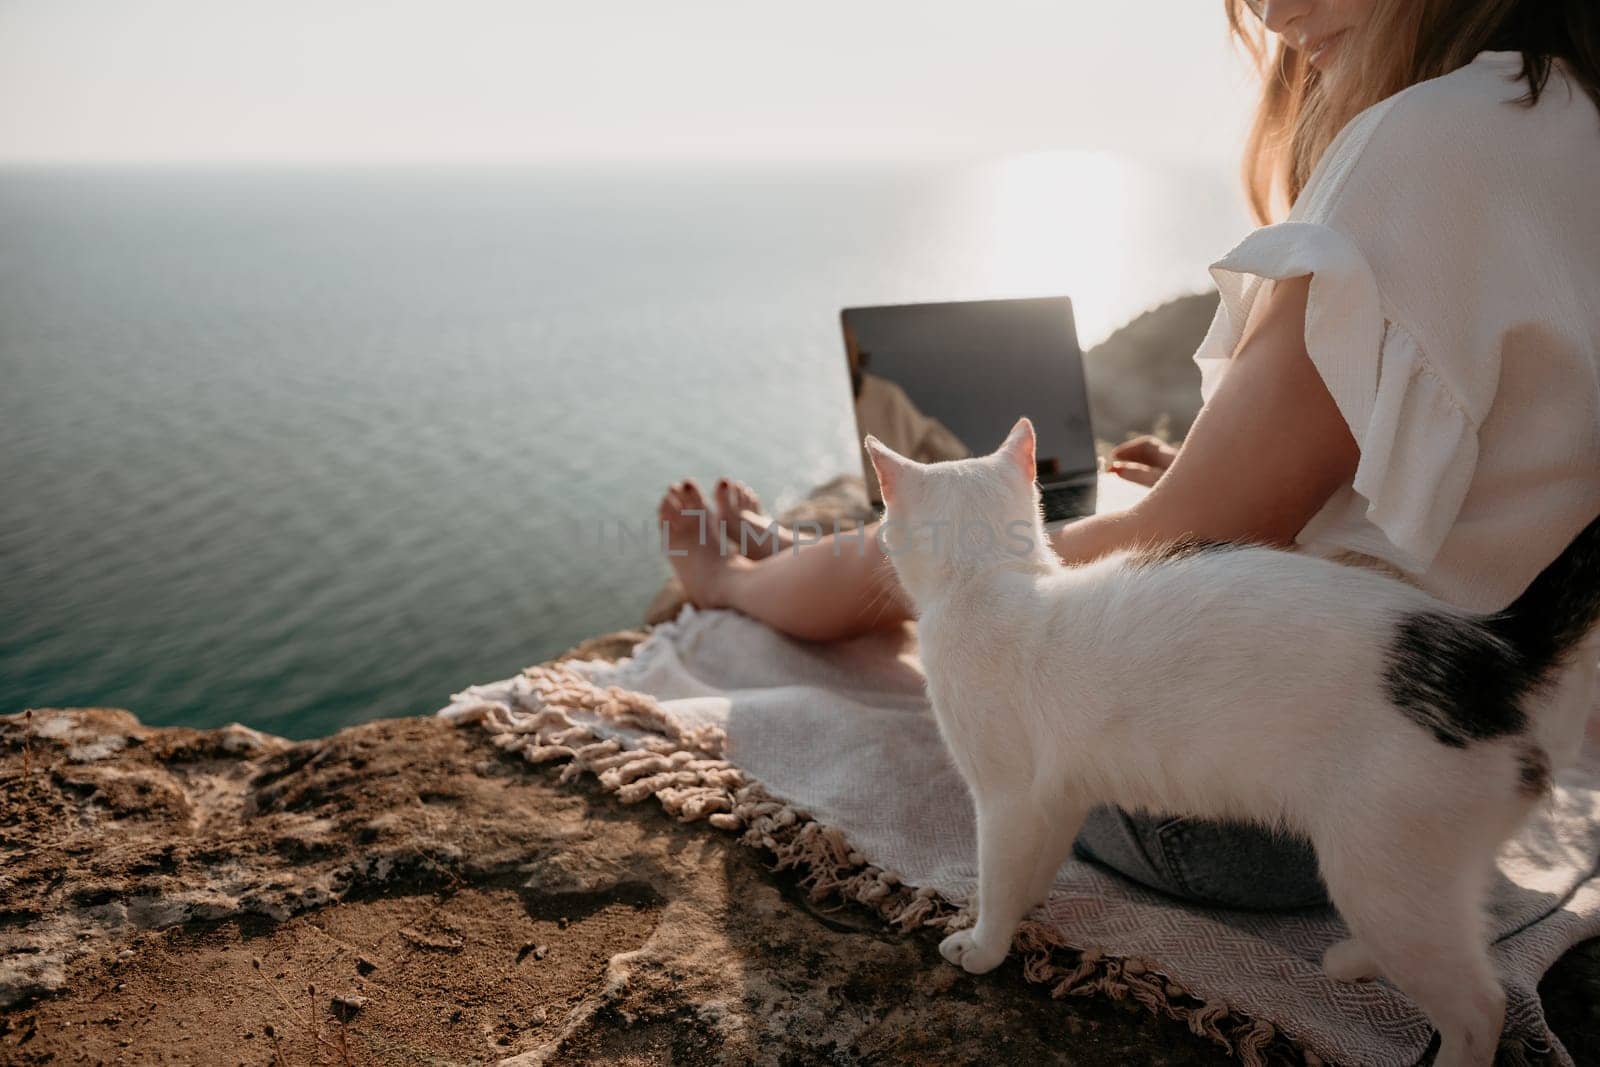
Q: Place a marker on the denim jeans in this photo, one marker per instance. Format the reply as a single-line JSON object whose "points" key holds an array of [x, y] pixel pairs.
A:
{"points": [[1229, 865]]}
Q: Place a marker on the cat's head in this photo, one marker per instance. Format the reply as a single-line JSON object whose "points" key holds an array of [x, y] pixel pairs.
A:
{"points": [[941, 520]]}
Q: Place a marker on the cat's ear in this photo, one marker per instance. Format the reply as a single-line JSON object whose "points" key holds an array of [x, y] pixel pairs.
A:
{"points": [[1020, 448], [889, 464]]}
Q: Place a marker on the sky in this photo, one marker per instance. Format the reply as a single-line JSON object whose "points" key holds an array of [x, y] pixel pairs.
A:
{"points": [[480, 81]]}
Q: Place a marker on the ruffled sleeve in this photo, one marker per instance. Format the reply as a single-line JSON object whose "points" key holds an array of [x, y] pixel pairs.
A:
{"points": [[1418, 440], [1449, 236]]}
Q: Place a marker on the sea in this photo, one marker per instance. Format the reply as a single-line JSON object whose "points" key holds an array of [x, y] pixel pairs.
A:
{"points": [[300, 447]]}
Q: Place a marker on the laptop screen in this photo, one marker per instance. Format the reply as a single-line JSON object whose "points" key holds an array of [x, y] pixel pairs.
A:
{"points": [[945, 381]]}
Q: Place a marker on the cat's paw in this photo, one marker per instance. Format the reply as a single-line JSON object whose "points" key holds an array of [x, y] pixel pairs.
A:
{"points": [[963, 949], [1349, 961]]}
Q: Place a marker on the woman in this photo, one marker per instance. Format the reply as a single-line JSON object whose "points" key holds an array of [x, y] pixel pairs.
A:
{"points": [[1405, 373]]}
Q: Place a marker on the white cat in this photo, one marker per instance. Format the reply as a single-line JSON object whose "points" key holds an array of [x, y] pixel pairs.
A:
{"points": [[1234, 682]]}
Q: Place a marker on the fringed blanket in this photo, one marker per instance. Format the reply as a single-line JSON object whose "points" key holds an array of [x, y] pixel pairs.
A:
{"points": [[828, 755]]}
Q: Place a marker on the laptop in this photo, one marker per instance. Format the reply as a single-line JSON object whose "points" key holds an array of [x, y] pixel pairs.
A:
{"points": [[948, 380]]}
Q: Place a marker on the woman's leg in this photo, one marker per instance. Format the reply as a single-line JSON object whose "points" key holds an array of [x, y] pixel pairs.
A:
{"points": [[1218, 864], [840, 586]]}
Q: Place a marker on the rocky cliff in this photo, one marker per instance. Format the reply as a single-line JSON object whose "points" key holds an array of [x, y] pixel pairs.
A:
{"points": [[402, 892]]}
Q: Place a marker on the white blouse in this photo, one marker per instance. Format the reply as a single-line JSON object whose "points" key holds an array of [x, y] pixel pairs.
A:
{"points": [[1453, 238]]}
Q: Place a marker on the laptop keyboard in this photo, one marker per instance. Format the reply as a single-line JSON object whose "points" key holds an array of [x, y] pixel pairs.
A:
{"points": [[1067, 501], [1059, 502]]}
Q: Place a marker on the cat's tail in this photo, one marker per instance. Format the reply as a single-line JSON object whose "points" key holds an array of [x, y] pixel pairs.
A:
{"points": [[1558, 610], [1468, 678]]}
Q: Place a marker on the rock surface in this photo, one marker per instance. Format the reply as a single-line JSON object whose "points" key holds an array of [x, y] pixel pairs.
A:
{"points": [[402, 892], [1143, 378]]}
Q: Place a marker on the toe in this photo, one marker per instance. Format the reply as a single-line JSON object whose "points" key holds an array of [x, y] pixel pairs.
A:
{"points": [[981, 960], [954, 947], [1349, 961], [692, 496], [671, 509]]}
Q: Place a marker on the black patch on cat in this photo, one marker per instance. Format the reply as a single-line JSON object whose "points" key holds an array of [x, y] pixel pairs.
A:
{"points": [[1453, 677], [1182, 548], [1466, 678], [1533, 772]]}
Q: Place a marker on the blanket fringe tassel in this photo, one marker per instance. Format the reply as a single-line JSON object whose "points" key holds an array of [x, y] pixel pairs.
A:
{"points": [[684, 770]]}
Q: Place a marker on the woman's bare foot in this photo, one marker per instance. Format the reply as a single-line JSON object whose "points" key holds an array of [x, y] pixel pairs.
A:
{"points": [[694, 544], [750, 531]]}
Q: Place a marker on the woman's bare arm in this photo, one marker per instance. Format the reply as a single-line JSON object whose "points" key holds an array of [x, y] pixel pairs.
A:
{"points": [[1265, 453]]}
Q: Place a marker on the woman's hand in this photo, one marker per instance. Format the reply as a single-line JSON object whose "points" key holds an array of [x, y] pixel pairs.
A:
{"points": [[1144, 459]]}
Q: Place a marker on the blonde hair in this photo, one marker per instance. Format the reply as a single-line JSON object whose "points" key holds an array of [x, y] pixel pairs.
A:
{"points": [[1403, 42]]}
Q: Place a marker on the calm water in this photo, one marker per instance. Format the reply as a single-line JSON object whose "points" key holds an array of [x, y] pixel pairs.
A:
{"points": [[301, 449]]}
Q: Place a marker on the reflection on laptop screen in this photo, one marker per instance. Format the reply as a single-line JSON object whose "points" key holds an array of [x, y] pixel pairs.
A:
{"points": [[946, 381]]}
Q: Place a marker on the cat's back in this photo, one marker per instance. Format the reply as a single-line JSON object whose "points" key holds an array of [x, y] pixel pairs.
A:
{"points": [[1196, 608], [1209, 592]]}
